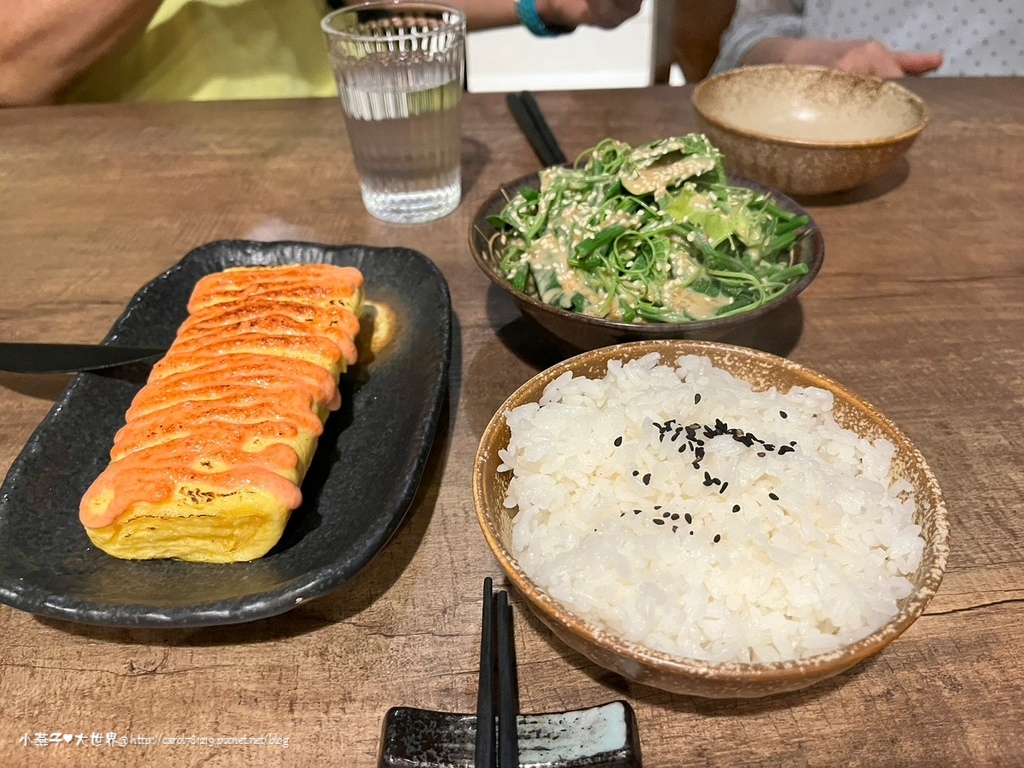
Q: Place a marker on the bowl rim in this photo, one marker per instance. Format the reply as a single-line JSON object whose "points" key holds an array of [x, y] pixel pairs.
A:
{"points": [[510, 188], [881, 141], [811, 668]]}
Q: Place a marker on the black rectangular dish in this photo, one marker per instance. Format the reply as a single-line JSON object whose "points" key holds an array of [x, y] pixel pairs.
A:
{"points": [[363, 478]]}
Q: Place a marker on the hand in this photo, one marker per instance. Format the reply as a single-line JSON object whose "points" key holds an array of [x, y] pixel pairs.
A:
{"points": [[599, 13], [873, 58], [863, 57]]}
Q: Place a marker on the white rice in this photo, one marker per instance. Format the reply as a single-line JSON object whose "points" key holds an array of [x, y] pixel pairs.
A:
{"points": [[821, 567]]}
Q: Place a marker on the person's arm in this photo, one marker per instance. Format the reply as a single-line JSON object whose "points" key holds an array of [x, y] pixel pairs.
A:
{"points": [[754, 21], [487, 14], [865, 57], [44, 46]]}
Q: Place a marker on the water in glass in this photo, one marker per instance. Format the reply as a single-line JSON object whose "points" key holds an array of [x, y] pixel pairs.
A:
{"points": [[404, 127]]}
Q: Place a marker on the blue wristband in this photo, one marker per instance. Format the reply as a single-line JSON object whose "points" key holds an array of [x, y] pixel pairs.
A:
{"points": [[526, 10]]}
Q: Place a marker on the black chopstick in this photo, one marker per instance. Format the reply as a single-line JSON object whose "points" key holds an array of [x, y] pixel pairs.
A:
{"points": [[533, 108], [531, 121], [486, 755], [508, 688], [500, 657]]}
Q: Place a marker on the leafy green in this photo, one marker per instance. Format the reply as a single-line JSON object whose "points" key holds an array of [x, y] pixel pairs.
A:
{"points": [[651, 234]]}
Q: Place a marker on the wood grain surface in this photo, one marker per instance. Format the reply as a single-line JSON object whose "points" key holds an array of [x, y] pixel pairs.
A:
{"points": [[919, 308]]}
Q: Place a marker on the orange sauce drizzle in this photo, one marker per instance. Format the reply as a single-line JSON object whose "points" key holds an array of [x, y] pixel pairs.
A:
{"points": [[167, 397], [243, 367], [225, 286], [256, 316], [322, 351], [156, 484], [232, 434], [292, 408]]}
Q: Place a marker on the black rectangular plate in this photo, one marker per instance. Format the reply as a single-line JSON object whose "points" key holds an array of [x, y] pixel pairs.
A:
{"points": [[363, 478]]}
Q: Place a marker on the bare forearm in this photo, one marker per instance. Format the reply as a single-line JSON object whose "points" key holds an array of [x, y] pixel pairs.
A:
{"points": [[46, 44], [487, 14], [865, 57], [790, 50]]}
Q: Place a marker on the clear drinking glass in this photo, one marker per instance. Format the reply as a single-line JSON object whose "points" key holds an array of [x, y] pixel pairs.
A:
{"points": [[399, 71]]}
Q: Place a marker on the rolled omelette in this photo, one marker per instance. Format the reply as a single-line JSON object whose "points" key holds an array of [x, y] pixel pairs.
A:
{"points": [[209, 463]]}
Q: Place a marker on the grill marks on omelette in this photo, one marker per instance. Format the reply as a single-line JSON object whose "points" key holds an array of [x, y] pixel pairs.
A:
{"points": [[209, 463]]}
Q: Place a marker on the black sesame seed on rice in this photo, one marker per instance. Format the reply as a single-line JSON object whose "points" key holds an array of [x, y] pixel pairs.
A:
{"points": [[636, 472], [618, 441], [647, 479], [658, 521], [783, 414], [773, 497], [735, 507], [696, 399], [689, 518], [718, 537]]}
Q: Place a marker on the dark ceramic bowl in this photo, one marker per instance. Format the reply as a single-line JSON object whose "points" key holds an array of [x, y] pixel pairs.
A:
{"points": [[690, 676], [583, 332]]}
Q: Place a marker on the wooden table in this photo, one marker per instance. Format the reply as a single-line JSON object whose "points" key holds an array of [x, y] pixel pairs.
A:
{"points": [[919, 308]]}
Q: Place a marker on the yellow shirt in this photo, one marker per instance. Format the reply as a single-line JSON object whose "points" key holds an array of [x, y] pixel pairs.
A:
{"points": [[218, 49]]}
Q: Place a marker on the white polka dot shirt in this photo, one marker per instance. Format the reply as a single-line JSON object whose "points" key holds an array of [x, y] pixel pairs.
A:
{"points": [[976, 37]]}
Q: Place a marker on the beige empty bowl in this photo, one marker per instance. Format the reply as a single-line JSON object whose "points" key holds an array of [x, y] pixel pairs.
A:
{"points": [[690, 676], [808, 130]]}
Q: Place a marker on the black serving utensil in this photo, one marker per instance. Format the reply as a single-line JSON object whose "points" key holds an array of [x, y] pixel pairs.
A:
{"points": [[17, 357], [533, 124]]}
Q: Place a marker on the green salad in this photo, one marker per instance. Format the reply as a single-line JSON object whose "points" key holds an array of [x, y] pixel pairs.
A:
{"points": [[648, 234]]}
